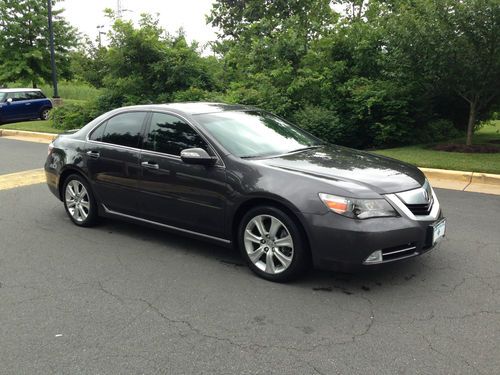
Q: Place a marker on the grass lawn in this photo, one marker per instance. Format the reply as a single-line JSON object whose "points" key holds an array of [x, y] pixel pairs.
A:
{"points": [[423, 157], [34, 126]]}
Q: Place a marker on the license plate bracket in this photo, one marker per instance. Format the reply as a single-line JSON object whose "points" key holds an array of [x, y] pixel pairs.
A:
{"points": [[438, 231]]}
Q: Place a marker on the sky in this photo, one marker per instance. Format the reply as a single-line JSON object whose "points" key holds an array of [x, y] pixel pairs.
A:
{"points": [[86, 15]]}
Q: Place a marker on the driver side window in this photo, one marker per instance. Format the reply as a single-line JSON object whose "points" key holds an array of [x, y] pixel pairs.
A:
{"points": [[170, 135]]}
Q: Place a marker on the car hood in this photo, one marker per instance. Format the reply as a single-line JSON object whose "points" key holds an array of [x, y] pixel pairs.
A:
{"points": [[378, 173]]}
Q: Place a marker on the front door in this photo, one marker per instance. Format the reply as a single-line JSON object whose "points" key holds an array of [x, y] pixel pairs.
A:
{"points": [[183, 195], [113, 161], [19, 109]]}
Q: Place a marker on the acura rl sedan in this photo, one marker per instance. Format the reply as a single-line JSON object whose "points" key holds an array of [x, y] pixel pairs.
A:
{"points": [[242, 177]]}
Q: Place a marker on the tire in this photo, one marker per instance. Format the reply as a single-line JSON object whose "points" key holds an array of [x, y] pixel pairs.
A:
{"points": [[263, 254], [79, 201], [44, 114]]}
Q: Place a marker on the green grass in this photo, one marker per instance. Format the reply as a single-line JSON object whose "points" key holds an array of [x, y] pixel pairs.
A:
{"points": [[34, 126], [423, 157], [72, 91]]}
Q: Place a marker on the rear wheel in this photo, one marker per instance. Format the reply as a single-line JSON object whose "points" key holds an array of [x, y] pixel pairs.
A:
{"points": [[45, 113], [272, 244], [79, 201]]}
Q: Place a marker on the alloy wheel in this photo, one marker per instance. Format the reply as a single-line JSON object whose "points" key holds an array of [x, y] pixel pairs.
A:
{"points": [[77, 200], [45, 114], [268, 244]]}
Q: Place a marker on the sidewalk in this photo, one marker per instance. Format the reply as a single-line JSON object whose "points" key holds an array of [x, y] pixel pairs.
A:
{"points": [[440, 178]]}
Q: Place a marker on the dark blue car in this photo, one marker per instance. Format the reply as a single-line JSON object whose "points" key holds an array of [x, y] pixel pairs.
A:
{"points": [[23, 104]]}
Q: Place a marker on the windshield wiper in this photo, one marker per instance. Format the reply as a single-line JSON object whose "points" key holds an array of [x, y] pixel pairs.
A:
{"points": [[304, 149]]}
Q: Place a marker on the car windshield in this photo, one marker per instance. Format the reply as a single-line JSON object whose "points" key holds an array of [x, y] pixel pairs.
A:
{"points": [[255, 134]]}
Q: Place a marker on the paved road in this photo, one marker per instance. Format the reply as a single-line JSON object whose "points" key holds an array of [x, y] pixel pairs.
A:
{"points": [[124, 299], [16, 156]]}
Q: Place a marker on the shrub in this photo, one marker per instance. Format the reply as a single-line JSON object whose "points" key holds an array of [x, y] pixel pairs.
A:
{"points": [[73, 115], [438, 130], [321, 122]]}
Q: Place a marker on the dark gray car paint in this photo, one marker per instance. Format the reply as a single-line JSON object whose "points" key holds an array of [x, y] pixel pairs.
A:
{"points": [[292, 181]]}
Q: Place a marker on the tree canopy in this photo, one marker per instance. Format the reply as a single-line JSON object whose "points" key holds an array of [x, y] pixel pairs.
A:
{"points": [[24, 41]]}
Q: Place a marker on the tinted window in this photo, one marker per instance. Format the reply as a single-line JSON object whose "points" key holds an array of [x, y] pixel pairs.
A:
{"points": [[255, 133], [3, 96], [124, 129], [97, 133], [170, 135]]}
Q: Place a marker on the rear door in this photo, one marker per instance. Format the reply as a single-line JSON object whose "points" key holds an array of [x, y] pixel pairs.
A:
{"points": [[186, 196], [113, 156]]}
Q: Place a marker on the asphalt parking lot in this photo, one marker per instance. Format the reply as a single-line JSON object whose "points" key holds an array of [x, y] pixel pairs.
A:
{"points": [[126, 299]]}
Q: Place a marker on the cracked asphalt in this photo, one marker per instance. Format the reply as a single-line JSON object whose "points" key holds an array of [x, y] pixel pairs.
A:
{"points": [[126, 299]]}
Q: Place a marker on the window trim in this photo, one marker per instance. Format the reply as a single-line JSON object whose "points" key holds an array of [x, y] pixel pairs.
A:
{"points": [[104, 123], [145, 128], [148, 127]]}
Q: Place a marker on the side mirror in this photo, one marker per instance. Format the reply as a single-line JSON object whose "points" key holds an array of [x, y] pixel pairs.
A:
{"points": [[197, 156], [9, 100]]}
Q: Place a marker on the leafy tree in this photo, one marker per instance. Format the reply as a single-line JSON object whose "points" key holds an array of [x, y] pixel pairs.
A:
{"points": [[451, 47], [24, 41]]}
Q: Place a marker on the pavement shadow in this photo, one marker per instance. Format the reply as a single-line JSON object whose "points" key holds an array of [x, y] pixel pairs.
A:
{"points": [[366, 280]]}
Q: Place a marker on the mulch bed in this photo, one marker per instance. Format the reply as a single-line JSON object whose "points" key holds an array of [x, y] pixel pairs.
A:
{"points": [[457, 147]]}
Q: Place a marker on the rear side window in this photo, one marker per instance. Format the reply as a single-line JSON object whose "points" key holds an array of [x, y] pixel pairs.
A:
{"points": [[170, 135], [123, 129], [35, 95]]}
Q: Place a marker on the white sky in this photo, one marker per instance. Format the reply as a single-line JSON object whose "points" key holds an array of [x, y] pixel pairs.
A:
{"points": [[188, 14]]}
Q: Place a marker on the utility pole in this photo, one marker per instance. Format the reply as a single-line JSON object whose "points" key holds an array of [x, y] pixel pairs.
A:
{"points": [[119, 10], [99, 33], [52, 52]]}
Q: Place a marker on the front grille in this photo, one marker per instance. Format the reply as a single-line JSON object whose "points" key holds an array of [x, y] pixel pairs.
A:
{"points": [[397, 252], [420, 209]]}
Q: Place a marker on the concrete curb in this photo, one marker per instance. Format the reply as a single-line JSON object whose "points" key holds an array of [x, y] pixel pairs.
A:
{"points": [[23, 135], [466, 181]]}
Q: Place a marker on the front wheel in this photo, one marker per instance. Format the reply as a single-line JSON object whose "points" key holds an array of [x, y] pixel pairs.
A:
{"points": [[272, 244], [79, 201]]}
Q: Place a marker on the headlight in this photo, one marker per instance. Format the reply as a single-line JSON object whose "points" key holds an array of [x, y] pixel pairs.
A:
{"points": [[358, 208]]}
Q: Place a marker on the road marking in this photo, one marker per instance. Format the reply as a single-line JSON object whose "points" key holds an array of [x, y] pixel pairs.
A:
{"points": [[25, 178]]}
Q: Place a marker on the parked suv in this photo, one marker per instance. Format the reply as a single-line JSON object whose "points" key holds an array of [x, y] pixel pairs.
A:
{"points": [[23, 104]]}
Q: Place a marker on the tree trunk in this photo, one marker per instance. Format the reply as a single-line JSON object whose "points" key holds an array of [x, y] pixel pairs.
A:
{"points": [[472, 121]]}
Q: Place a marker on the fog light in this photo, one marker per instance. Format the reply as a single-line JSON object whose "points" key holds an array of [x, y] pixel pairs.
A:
{"points": [[375, 257]]}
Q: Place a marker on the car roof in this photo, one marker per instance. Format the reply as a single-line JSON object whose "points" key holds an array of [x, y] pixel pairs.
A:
{"points": [[18, 90], [194, 108]]}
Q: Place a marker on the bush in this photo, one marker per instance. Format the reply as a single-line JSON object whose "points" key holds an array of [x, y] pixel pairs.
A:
{"points": [[438, 130], [73, 115], [321, 122]]}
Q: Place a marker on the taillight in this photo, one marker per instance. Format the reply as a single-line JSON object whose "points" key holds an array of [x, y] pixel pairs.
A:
{"points": [[51, 147]]}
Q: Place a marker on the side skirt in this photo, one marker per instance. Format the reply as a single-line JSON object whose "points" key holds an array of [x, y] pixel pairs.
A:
{"points": [[108, 212]]}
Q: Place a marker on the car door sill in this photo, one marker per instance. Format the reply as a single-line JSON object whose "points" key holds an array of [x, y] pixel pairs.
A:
{"points": [[111, 212]]}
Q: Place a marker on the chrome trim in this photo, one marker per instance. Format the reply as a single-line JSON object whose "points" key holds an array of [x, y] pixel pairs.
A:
{"points": [[111, 212], [398, 251], [404, 210], [416, 196]]}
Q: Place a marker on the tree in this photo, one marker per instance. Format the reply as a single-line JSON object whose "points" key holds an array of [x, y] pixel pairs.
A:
{"points": [[24, 41], [453, 47]]}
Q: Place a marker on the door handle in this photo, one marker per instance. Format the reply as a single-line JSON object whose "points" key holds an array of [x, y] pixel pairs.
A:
{"points": [[150, 165], [28, 103], [93, 154]]}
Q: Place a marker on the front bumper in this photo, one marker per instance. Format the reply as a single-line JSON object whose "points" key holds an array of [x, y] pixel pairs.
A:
{"points": [[339, 242]]}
